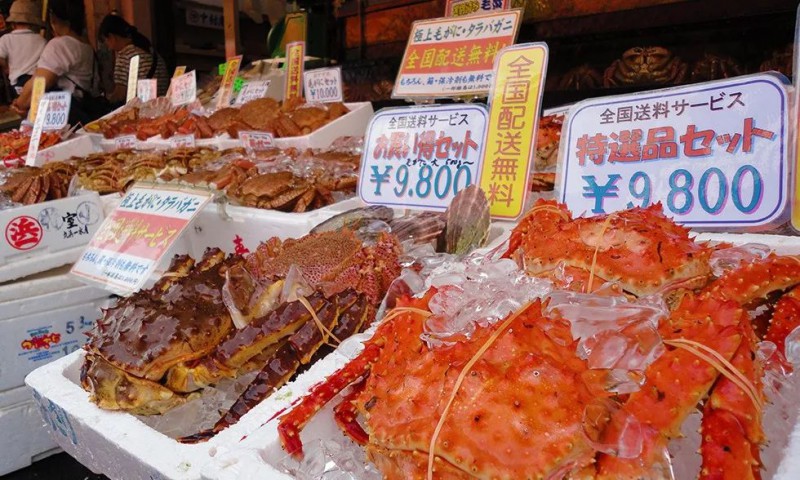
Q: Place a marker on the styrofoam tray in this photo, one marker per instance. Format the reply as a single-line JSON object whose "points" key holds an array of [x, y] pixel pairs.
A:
{"points": [[24, 439], [78, 146]]}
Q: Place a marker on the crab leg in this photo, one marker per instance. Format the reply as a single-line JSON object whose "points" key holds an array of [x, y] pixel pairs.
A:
{"points": [[785, 319], [345, 415]]}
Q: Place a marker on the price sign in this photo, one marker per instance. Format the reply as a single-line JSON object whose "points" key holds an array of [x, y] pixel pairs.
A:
{"points": [[460, 8], [182, 141], [421, 157], [183, 89], [516, 98], [133, 78], [147, 89], [454, 57], [796, 80], [126, 142], [180, 70], [257, 141], [135, 236], [295, 62], [226, 89], [714, 154], [252, 91], [36, 134], [324, 85], [57, 116], [36, 97]]}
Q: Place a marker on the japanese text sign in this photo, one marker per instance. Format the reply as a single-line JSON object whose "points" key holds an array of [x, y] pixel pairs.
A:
{"points": [[460, 8], [50, 226], [183, 89], [453, 57], [421, 157], [715, 154], [295, 62], [179, 70], [226, 89], [57, 116], [257, 141], [132, 240], [515, 102], [125, 142], [133, 78], [324, 85], [252, 90], [147, 89], [182, 141], [36, 97], [36, 134]]}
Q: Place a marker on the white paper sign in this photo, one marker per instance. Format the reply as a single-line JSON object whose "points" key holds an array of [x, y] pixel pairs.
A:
{"points": [[57, 116], [323, 85], [421, 157], [252, 90], [36, 134], [715, 154], [147, 89], [182, 141], [184, 89], [133, 78], [126, 142], [257, 141]]}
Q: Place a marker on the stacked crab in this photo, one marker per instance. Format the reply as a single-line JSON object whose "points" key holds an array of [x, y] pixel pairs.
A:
{"points": [[516, 398]]}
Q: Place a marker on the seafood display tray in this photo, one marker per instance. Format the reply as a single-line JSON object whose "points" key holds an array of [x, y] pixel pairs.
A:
{"points": [[79, 146]]}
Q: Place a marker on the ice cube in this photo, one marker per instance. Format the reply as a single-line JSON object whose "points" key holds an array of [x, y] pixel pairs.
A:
{"points": [[727, 259]]}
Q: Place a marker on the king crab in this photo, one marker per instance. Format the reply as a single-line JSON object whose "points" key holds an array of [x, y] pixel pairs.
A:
{"points": [[645, 65]]}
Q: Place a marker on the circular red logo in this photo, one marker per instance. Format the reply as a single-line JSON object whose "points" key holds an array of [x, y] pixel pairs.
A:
{"points": [[24, 233]]}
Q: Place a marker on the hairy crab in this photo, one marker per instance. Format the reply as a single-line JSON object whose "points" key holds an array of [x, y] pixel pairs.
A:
{"points": [[224, 317], [645, 65], [714, 67], [515, 400]]}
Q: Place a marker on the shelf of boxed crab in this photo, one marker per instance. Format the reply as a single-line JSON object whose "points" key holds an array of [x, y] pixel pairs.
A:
{"points": [[619, 348], [223, 333], [158, 124]]}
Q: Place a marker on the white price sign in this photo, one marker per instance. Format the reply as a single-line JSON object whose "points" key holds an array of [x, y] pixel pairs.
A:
{"points": [[714, 154], [183, 89], [126, 142], [147, 89], [133, 78], [421, 157], [257, 141], [36, 134], [57, 116], [182, 141], [252, 90], [323, 85]]}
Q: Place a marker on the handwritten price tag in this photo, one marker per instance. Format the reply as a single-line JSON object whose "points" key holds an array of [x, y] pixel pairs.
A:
{"points": [[183, 89], [252, 91], [421, 157], [715, 154], [132, 240], [147, 89], [57, 116], [226, 89], [126, 142], [257, 141], [324, 85], [36, 134], [182, 141], [133, 78]]}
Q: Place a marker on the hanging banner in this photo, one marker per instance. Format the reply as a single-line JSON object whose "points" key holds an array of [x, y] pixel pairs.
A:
{"points": [[421, 157], [454, 57], [295, 61], [516, 100], [252, 90], [133, 78], [147, 89], [132, 240], [36, 97], [324, 85], [226, 88], [183, 89], [714, 154]]}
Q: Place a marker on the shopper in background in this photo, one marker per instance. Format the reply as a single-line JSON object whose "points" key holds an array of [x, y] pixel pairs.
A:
{"points": [[68, 64], [126, 42], [20, 49]]}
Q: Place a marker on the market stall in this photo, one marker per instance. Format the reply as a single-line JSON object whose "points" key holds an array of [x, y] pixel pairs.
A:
{"points": [[255, 276]]}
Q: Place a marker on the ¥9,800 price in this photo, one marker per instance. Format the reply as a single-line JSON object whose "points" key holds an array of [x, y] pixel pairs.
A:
{"points": [[55, 120], [420, 181], [711, 191]]}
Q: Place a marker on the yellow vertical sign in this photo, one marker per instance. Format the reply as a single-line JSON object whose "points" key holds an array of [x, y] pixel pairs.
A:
{"points": [[226, 89], [516, 98], [295, 61], [36, 97]]}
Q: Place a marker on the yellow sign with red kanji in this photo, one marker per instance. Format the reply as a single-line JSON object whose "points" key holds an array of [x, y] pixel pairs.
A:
{"points": [[516, 99], [226, 90], [295, 61]]}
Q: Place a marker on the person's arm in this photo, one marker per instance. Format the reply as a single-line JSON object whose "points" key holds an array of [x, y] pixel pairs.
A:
{"points": [[118, 94], [23, 103], [120, 91], [4, 66]]}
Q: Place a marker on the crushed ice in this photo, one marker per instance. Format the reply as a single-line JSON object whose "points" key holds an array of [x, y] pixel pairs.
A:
{"points": [[724, 260]]}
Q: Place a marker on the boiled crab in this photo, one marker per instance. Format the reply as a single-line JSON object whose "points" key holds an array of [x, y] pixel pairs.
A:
{"points": [[227, 316], [645, 65], [29, 185]]}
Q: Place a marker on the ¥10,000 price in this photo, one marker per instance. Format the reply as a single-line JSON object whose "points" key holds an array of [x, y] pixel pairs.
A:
{"points": [[421, 182], [712, 190]]}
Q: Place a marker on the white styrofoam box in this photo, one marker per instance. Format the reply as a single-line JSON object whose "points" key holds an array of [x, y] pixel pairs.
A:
{"points": [[25, 438], [78, 146], [46, 235]]}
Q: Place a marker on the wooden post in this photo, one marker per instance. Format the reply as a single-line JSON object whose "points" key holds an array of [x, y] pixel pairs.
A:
{"points": [[91, 22], [230, 11]]}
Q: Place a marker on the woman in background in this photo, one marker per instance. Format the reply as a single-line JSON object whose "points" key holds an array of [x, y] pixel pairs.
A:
{"points": [[126, 42], [21, 47]]}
